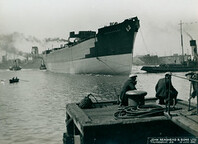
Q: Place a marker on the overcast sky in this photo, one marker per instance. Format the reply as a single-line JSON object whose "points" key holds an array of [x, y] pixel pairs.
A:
{"points": [[159, 19]]}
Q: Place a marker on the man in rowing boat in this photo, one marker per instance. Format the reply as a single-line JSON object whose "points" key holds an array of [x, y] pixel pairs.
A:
{"points": [[164, 88], [128, 85]]}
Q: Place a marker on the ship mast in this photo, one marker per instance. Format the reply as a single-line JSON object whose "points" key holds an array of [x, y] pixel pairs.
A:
{"points": [[182, 41]]}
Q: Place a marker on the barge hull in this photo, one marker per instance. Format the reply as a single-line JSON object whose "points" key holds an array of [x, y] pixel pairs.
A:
{"points": [[98, 125]]}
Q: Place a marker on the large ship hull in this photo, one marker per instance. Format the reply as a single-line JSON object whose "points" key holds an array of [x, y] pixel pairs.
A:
{"points": [[120, 64], [110, 51]]}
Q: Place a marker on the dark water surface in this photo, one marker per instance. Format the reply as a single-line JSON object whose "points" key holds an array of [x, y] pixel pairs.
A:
{"points": [[33, 110]]}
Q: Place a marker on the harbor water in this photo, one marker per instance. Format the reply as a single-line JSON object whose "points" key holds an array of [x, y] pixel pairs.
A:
{"points": [[33, 110]]}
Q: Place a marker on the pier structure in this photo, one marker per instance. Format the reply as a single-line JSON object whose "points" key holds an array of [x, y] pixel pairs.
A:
{"points": [[107, 122]]}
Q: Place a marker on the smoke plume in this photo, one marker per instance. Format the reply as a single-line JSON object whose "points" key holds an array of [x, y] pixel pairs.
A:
{"points": [[19, 44], [7, 43], [55, 39], [189, 35]]}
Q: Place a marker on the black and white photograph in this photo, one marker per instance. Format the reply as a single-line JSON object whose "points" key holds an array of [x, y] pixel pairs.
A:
{"points": [[98, 72]]}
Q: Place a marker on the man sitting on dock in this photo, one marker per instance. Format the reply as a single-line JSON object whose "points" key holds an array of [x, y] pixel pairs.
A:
{"points": [[163, 88], [128, 85]]}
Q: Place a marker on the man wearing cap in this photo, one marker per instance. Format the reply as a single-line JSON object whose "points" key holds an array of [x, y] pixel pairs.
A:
{"points": [[128, 85], [163, 88]]}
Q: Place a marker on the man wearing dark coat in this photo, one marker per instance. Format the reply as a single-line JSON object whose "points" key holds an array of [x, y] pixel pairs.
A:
{"points": [[163, 88], [128, 85]]}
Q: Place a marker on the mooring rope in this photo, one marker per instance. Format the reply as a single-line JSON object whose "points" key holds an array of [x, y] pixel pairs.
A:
{"points": [[105, 63], [190, 79], [138, 112]]}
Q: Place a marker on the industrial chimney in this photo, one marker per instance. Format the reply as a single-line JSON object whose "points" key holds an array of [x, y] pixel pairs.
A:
{"points": [[194, 50]]}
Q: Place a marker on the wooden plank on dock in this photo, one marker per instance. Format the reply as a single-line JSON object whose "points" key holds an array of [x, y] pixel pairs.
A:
{"points": [[78, 115], [189, 123], [185, 118]]}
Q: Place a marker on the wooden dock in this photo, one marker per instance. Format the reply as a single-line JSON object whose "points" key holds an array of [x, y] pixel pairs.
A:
{"points": [[99, 124]]}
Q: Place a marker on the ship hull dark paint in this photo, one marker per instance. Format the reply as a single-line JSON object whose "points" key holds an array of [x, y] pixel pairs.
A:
{"points": [[43, 67], [15, 68], [162, 69], [14, 80], [110, 51]]}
